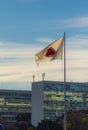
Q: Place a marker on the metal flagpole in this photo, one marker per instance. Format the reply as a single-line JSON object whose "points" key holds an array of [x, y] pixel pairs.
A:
{"points": [[64, 81]]}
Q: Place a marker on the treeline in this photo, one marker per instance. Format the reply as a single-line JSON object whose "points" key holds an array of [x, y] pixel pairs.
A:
{"points": [[75, 120]]}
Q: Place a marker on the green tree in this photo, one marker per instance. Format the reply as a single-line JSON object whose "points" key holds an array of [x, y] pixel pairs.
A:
{"points": [[84, 124], [75, 120], [23, 121], [48, 125]]}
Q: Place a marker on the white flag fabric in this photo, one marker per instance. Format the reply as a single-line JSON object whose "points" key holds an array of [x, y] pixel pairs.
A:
{"points": [[51, 52]]}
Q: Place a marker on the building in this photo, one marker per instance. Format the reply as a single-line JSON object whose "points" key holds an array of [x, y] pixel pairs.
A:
{"points": [[48, 99], [13, 102]]}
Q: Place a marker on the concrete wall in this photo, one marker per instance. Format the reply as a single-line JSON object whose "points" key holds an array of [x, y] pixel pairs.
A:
{"points": [[37, 103]]}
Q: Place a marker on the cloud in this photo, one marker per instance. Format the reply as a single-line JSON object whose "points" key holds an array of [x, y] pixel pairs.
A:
{"points": [[72, 42], [78, 22], [8, 74], [16, 50], [72, 22], [44, 39], [17, 61], [78, 42]]}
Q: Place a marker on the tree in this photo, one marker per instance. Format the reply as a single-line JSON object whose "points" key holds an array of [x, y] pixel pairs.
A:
{"points": [[48, 125], [84, 124], [23, 117], [23, 121], [75, 120]]}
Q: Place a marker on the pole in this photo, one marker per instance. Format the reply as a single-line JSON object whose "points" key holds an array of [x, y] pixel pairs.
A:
{"points": [[64, 81]]}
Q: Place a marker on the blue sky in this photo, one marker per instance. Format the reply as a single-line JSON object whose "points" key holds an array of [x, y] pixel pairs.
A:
{"points": [[26, 26]]}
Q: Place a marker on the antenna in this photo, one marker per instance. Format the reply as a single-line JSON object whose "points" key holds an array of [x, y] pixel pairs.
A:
{"points": [[2, 84], [43, 76], [33, 78]]}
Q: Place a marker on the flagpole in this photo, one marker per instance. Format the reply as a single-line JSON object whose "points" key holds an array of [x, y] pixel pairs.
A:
{"points": [[64, 81]]}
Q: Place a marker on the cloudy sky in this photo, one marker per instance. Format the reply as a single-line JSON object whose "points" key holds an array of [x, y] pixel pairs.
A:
{"points": [[26, 26]]}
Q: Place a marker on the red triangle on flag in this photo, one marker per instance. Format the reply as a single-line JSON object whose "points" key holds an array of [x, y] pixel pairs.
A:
{"points": [[50, 52]]}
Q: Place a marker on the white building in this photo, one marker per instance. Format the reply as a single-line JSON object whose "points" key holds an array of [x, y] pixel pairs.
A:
{"points": [[37, 103], [48, 99]]}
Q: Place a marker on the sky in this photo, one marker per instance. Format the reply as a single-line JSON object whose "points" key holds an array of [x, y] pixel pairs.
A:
{"points": [[27, 26]]}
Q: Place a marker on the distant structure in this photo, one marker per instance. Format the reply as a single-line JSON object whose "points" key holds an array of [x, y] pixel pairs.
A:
{"points": [[13, 102], [45, 101], [48, 99]]}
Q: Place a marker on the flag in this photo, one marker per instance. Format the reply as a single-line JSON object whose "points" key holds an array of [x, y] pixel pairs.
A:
{"points": [[51, 52]]}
